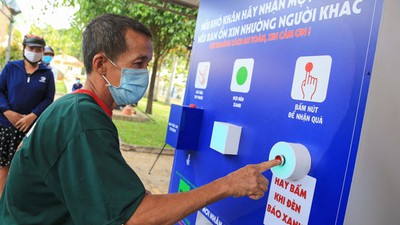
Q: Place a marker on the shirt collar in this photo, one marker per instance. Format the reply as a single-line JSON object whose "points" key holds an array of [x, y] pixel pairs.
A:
{"points": [[107, 110]]}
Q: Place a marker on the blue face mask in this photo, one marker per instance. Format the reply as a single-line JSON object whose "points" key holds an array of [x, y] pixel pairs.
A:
{"points": [[132, 86], [47, 59]]}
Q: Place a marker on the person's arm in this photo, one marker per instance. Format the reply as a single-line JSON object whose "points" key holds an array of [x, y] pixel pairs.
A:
{"points": [[13, 117], [48, 98], [170, 208], [4, 106], [25, 122]]}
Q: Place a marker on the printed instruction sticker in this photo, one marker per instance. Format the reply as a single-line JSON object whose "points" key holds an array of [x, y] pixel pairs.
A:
{"points": [[206, 216], [203, 70], [241, 75], [289, 201], [202, 220], [311, 78]]}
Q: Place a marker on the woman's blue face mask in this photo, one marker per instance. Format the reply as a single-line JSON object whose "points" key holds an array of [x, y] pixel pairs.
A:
{"points": [[132, 86]]}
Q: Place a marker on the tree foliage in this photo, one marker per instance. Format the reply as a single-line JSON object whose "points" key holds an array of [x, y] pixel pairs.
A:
{"points": [[169, 29], [62, 41], [15, 49]]}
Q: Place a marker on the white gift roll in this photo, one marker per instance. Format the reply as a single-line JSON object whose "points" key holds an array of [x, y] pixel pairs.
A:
{"points": [[296, 161]]}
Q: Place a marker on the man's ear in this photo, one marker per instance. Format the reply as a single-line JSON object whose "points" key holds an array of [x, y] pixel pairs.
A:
{"points": [[98, 64]]}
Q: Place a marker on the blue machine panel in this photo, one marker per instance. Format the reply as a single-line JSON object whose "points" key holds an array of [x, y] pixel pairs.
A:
{"points": [[184, 127], [296, 71]]}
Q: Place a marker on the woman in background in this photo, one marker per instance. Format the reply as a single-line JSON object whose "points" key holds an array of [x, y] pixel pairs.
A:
{"points": [[26, 89]]}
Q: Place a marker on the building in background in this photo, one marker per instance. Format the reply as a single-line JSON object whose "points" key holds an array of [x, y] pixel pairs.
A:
{"points": [[69, 66]]}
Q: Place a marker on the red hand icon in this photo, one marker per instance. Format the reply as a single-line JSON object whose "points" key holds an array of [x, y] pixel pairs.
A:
{"points": [[309, 84]]}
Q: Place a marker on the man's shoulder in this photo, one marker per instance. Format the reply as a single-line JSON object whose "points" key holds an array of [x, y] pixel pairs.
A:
{"points": [[78, 104], [75, 100], [73, 113]]}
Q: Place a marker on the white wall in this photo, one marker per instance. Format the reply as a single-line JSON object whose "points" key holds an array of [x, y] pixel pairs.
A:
{"points": [[375, 191]]}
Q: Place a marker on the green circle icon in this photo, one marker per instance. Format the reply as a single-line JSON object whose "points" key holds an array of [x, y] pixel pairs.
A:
{"points": [[241, 75]]}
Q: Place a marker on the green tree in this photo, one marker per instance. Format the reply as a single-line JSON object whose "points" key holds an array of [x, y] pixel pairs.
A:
{"points": [[15, 49], [179, 54], [62, 41], [170, 28]]}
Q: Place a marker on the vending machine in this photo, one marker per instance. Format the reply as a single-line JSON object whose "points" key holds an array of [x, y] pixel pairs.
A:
{"points": [[288, 79]]}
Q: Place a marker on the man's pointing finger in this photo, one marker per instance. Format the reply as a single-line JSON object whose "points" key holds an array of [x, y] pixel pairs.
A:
{"points": [[264, 166]]}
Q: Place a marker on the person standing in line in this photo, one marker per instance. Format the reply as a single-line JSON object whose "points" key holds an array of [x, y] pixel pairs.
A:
{"points": [[78, 175], [26, 89], [48, 56], [77, 85]]}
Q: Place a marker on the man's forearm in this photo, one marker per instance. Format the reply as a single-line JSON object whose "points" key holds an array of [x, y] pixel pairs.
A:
{"points": [[170, 208]]}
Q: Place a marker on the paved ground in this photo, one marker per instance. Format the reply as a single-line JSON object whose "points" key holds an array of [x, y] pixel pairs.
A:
{"points": [[158, 181]]}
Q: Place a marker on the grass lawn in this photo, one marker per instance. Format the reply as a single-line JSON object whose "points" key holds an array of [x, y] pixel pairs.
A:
{"points": [[60, 87], [151, 133]]}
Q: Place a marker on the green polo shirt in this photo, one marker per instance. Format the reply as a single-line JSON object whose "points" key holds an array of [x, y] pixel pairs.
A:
{"points": [[69, 170]]}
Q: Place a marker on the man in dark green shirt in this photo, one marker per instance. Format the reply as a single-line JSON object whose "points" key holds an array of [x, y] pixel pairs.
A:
{"points": [[69, 169]]}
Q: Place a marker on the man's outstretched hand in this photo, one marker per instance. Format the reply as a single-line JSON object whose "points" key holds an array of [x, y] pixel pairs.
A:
{"points": [[249, 181]]}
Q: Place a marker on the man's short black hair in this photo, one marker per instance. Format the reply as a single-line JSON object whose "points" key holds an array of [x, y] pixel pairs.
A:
{"points": [[106, 33]]}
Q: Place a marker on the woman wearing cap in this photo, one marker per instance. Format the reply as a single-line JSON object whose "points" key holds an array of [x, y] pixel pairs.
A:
{"points": [[26, 89]]}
